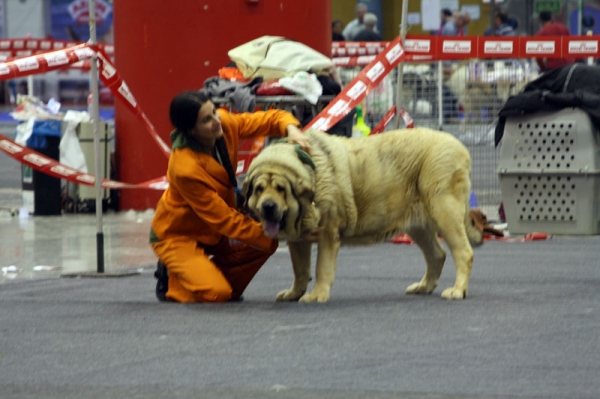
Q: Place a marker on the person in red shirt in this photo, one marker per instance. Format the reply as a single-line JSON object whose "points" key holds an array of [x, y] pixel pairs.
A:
{"points": [[552, 28]]}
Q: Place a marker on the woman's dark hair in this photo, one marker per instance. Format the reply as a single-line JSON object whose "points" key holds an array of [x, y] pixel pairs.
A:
{"points": [[184, 109]]}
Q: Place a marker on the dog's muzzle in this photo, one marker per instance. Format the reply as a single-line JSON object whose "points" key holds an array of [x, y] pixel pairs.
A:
{"points": [[273, 220]]}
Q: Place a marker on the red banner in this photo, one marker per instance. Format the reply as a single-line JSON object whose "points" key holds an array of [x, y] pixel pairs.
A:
{"points": [[427, 48]]}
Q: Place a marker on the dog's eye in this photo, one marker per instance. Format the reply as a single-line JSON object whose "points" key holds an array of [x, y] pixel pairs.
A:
{"points": [[280, 189], [258, 190]]}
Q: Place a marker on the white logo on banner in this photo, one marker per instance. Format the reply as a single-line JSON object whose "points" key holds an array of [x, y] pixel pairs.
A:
{"points": [[27, 64], [583, 46], [338, 107], [365, 59], [394, 53], [18, 44], [57, 58], [536, 47], [124, 90], [45, 45], [5, 44], [86, 178], [58, 45], [321, 124], [84, 53], [37, 160], [417, 46], [376, 71], [108, 71], [498, 47], [10, 147], [357, 90], [352, 51], [341, 51], [4, 69], [32, 44], [457, 46], [62, 170]]}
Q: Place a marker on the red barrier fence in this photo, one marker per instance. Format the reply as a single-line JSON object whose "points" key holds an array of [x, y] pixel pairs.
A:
{"points": [[435, 48]]}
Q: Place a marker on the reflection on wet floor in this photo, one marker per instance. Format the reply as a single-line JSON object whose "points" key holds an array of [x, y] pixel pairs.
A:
{"points": [[48, 246]]}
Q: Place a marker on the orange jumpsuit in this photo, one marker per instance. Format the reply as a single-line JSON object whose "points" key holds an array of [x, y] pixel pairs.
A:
{"points": [[211, 250]]}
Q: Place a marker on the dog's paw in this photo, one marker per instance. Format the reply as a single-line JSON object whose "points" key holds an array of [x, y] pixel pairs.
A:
{"points": [[420, 289], [288, 295], [454, 293], [321, 296]]}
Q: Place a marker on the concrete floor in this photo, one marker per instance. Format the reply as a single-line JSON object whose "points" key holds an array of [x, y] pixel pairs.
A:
{"points": [[528, 329]]}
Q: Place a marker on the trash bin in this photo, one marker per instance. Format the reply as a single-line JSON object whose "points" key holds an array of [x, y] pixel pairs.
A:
{"points": [[86, 195], [41, 192]]}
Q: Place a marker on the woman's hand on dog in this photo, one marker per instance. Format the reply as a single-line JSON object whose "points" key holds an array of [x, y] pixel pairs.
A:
{"points": [[295, 136]]}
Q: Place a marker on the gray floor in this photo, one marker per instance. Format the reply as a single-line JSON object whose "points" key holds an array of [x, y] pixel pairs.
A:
{"points": [[530, 327]]}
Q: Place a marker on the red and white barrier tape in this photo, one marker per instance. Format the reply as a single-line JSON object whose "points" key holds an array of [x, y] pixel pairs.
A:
{"points": [[535, 236], [50, 167], [380, 127], [110, 77], [355, 91], [29, 44]]}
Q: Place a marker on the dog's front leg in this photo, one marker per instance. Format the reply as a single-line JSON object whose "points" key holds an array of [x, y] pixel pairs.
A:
{"points": [[300, 252], [327, 252]]}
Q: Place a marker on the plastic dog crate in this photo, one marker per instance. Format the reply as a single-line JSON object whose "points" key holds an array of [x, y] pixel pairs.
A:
{"points": [[549, 172]]}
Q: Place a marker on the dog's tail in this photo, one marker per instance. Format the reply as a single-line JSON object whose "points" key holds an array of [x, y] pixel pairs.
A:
{"points": [[473, 233]]}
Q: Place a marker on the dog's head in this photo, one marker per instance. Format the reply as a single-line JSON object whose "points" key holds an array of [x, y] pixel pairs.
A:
{"points": [[279, 190]]}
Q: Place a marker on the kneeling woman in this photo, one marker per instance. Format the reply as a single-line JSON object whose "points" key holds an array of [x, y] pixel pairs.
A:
{"points": [[210, 250]]}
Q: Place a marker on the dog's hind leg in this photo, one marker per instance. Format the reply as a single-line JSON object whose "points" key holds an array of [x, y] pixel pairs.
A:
{"points": [[427, 239], [449, 215], [300, 252]]}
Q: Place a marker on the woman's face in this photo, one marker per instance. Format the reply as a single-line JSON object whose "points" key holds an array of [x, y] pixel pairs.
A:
{"points": [[208, 125]]}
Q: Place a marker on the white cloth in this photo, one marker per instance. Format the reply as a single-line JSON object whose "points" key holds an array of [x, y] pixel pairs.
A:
{"points": [[305, 84], [275, 57]]}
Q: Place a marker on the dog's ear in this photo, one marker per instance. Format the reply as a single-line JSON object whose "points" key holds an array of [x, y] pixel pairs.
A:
{"points": [[305, 190], [247, 187]]}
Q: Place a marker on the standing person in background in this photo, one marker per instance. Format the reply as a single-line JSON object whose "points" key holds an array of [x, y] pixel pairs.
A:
{"points": [[209, 250], [368, 34], [336, 31], [502, 27], [457, 26], [357, 24], [445, 16], [551, 28]]}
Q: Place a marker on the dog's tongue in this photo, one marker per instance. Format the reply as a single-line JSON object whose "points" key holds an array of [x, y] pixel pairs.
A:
{"points": [[271, 228]]}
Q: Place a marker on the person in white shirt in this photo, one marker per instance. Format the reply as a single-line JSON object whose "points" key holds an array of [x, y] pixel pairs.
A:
{"points": [[357, 24]]}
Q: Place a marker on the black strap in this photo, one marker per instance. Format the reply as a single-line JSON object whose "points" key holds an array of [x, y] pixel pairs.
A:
{"points": [[223, 158]]}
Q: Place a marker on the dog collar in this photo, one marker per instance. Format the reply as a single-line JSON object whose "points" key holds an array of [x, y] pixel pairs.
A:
{"points": [[304, 157]]}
